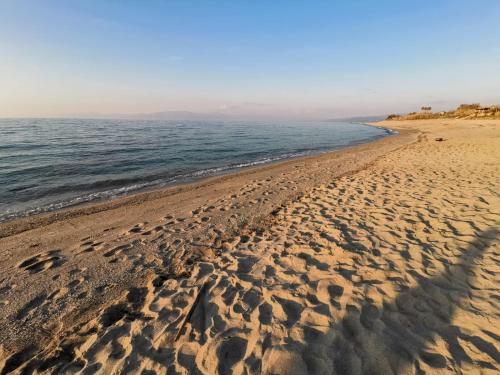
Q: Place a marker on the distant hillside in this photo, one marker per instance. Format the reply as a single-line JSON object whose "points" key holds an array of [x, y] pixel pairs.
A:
{"points": [[465, 111], [359, 119], [180, 116]]}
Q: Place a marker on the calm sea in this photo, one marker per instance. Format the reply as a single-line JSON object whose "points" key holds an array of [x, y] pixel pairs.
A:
{"points": [[47, 164]]}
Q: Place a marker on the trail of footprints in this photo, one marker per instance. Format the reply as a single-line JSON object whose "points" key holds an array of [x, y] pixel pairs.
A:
{"points": [[354, 277]]}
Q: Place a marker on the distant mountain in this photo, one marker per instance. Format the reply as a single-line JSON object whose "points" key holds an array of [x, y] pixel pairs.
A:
{"points": [[373, 118], [179, 115], [220, 116], [165, 115]]}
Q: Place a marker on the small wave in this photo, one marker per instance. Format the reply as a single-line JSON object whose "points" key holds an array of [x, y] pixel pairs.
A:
{"points": [[158, 183], [157, 158], [387, 130]]}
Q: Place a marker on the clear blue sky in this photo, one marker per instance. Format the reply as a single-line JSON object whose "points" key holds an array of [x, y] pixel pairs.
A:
{"points": [[265, 58]]}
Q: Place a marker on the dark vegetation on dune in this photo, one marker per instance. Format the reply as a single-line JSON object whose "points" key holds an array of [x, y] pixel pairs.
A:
{"points": [[464, 111]]}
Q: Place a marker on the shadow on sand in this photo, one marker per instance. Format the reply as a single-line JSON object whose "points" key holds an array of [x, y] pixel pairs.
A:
{"points": [[397, 338], [416, 333]]}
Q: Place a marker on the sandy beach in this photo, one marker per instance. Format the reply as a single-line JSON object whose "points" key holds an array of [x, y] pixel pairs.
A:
{"points": [[378, 259]]}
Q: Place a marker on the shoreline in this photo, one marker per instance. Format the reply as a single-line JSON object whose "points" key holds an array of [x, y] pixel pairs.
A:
{"points": [[382, 241], [161, 181], [197, 217], [30, 221]]}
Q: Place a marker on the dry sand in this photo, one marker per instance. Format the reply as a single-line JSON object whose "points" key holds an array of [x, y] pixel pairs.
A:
{"points": [[380, 259]]}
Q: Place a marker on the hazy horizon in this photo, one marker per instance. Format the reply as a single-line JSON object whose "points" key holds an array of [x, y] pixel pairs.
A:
{"points": [[285, 60], [190, 115]]}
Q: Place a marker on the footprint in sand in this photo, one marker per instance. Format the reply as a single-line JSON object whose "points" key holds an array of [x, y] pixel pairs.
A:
{"points": [[117, 250], [90, 246], [230, 352], [138, 228], [32, 305], [42, 262]]}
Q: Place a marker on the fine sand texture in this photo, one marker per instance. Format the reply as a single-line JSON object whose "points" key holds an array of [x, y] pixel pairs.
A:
{"points": [[381, 259]]}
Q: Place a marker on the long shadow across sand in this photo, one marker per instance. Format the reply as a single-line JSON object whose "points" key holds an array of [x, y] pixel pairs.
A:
{"points": [[392, 340], [418, 331]]}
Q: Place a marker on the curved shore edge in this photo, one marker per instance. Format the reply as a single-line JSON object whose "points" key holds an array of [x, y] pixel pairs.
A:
{"points": [[52, 247], [380, 258], [22, 223], [102, 191]]}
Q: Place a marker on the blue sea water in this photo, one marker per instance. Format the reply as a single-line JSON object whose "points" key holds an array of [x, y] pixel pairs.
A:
{"points": [[47, 164]]}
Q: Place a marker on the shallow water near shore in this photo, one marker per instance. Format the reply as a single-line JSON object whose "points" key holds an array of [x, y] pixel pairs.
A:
{"points": [[48, 164]]}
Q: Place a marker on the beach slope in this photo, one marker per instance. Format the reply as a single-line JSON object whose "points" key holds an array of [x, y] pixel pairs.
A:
{"points": [[376, 260]]}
